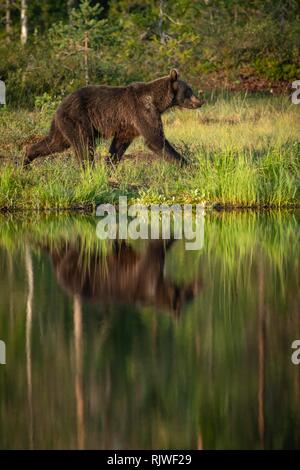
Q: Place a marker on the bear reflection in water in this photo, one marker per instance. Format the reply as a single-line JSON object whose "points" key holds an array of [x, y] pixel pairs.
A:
{"points": [[123, 276]]}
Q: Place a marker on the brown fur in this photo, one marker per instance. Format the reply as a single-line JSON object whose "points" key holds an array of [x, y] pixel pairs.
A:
{"points": [[120, 113], [125, 276]]}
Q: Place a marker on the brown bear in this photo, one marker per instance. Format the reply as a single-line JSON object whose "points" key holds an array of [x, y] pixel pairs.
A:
{"points": [[125, 276], [120, 113]]}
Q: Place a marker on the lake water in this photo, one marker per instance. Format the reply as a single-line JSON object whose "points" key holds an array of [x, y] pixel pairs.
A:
{"points": [[146, 345]]}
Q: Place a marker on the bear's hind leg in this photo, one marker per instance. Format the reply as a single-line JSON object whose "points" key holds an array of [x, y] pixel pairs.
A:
{"points": [[81, 137], [52, 143]]}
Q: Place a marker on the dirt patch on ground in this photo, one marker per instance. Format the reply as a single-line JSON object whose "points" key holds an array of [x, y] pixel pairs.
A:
{"points": [[245, 80], [137, 157], [30, 140], [9, 149], [231, 121], [141, 156]]}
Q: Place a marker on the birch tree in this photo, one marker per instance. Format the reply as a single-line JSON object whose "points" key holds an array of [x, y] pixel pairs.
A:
{"points": [[24, 21], [8, 20]]}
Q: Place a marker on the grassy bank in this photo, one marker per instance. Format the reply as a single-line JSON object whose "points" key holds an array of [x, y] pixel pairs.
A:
{"points": [[243, 151]]}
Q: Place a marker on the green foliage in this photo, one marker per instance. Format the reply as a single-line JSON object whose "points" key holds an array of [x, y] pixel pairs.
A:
{"points": [[275, 70], [131, 40], [79, 44], [46, 103], [69, 37]]}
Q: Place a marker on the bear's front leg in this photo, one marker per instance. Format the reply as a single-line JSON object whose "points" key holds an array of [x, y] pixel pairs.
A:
{"points": [[157, 142], [164, 149], [173, 154], [151, 128]]}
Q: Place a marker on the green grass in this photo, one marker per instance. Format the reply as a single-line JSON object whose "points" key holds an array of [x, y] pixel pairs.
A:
{"points": [[243, 151]]}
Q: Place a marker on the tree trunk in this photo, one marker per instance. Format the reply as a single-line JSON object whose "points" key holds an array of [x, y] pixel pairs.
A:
{"points": [[71, 5], [79, 397], [29, 305], [261, 339], [24, 22], [160, 22], [86, 58], [8, 20]]}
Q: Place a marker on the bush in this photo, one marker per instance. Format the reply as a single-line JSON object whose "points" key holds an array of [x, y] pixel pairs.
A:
{"points": [[139, 41]]}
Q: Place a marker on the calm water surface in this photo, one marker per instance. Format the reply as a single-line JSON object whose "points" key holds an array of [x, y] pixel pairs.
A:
{"points": [[146, 345]]}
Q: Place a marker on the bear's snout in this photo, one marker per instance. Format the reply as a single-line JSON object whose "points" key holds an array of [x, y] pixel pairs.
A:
{"points": [[197, 102]]}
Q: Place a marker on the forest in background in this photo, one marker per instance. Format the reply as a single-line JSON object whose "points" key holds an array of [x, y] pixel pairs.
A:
{"points": [[48, 49]]}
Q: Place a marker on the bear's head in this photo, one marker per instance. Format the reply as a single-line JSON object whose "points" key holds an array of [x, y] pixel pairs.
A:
{"points": [[184, 96]]}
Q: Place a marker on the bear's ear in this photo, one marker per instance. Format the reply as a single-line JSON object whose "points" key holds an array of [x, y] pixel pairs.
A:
{"points": [[174, 75]]}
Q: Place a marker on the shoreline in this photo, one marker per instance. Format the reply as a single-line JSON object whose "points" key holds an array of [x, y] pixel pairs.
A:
{"points": [[212, 207]]}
